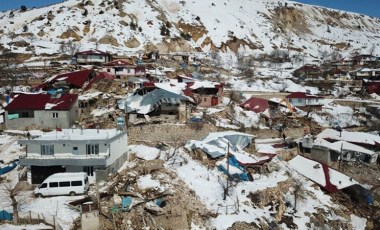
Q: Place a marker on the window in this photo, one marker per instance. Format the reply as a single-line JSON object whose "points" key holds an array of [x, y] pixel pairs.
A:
{"points": [[299, 100], [204, 99], [76, 183], [55, 115], [64, 184], [53, 184], [89, 170], [47, 149], [86, 180], [92, 149], [75, 148], [44, 185]]}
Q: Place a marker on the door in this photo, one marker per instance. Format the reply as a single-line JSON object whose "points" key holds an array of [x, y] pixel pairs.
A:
{"points": [[214, 101], [40, 173]]}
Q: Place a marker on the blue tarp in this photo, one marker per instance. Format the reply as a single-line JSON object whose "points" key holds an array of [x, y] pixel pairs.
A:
{"points": [[13, 116], [8, 168], [4, 215], [126, 203], [232, 161]]}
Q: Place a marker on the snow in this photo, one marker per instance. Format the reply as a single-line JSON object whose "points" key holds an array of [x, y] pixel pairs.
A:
{"points": [[144, 152], [358, 223], [89, 96], [54, 206], [205, 183], [25, 226], [101, 112], [354, 137], [146, 181], [79, 134]]}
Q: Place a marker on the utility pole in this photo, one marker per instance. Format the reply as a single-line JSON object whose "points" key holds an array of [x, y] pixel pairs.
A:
{"points": [[228, 172]]}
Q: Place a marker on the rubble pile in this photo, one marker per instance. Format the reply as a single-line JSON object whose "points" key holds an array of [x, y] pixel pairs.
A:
{"points": [[147, 195]]}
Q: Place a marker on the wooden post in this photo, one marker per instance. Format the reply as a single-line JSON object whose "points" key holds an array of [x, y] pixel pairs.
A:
{"points": [[228, 172]]}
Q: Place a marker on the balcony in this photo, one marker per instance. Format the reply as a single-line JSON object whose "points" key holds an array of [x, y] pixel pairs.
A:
{"points": [[63, 159]]}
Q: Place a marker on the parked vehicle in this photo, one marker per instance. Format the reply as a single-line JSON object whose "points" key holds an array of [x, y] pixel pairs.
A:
{"points": [[63, 184]]}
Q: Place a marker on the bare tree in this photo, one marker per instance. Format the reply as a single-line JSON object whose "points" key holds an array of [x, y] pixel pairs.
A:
{"points": [[336, 55], [245, 64], [69, 48], [15, 195], [215, 58], [372, 49]]}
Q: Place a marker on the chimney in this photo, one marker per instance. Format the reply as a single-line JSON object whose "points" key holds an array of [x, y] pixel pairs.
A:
{"points": [[81, 130], [97, 129]]}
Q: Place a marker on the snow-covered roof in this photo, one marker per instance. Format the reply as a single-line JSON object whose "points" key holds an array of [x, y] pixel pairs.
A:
{"points": [[215, 144], [315, 171], [78, 134], [353, 137], [343, 145], [144, 104]]}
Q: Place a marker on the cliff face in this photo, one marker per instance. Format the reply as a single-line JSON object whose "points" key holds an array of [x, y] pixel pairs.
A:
{"points": [[172, 25]]}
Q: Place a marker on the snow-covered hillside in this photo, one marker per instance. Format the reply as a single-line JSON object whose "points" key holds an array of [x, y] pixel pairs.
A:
{"points": [[203, 25]]}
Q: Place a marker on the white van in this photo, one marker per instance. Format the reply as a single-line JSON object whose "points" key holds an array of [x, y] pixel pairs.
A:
{"points": [[63, 184]]}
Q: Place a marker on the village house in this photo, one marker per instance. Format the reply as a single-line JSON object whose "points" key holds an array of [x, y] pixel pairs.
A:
{"points": [[44, 111], [344, 64], [206, 93], [371, 86], [92, 57], [365, 60], [364, 73], [98, 152], [123, 69], [308, 71], [169, 102], [335, 73], [305, 101], [66, 81], [268, 108]]}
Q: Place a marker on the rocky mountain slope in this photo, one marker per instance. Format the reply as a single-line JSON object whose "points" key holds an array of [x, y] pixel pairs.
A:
{"points": [[198, 25]]}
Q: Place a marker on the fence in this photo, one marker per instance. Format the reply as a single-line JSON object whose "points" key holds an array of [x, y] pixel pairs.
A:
{"points": [[37, 218]]}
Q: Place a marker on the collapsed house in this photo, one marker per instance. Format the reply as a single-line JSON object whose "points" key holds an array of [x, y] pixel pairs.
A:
{"points": [[170, 102], [332, 152], [67, 81], [331, 145], [216, 145], [366, 140], [267, 108], [331, 180]]}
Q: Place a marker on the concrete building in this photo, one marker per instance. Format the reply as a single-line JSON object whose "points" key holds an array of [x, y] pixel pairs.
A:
{"points": [[98, 152], [43, 111], [123, 69]]}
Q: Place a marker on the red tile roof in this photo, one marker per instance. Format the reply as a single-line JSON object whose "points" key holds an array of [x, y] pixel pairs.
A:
{"points": [[77, 78], [100, 76], [42, 102], [257, 105], [302, 95]]}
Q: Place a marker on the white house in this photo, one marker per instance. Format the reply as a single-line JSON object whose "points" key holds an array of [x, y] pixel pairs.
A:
{"points": [[123, 69], [304, 100], [98, 152]]}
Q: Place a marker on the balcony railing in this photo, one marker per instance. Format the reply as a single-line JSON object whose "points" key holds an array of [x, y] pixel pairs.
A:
{"points": [[63, 156]]}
